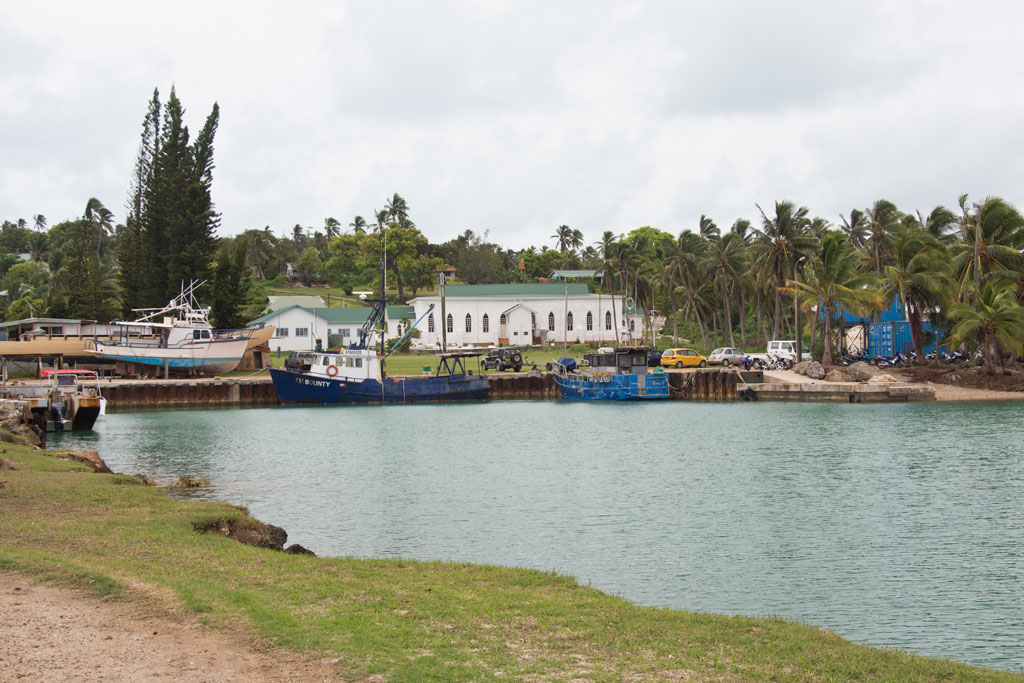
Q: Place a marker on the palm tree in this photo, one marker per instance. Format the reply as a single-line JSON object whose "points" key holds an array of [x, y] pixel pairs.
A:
{"points": [[997, 321], [101, 218], [708, 229], [397, 208], [576, 240], [563, 236], [40, 221], [782, 239], [856, 228], [681, 274], [883, 217], [331, 227], [358, 225], [989, 246], [832, 279], [917, 275], [725, 258], [382, 219]]}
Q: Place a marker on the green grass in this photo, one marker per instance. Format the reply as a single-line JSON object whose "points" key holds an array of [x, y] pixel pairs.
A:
{"points": [[397, 619]]}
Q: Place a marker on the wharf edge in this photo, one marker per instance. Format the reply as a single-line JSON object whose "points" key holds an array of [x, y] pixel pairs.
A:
{"points": [[712, 384]]}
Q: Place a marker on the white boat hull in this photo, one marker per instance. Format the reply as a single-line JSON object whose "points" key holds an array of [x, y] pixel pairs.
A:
{"points": [[207, 357]]}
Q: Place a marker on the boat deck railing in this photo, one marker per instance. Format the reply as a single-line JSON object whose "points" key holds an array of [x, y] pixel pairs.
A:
{"points": [[139, 343]]}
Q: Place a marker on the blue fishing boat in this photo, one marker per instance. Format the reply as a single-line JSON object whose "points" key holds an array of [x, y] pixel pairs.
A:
{"points": [[610, 375], [357, 374]]}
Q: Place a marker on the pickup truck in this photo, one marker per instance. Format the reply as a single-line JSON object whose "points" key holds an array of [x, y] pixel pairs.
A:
{"points": [[780, 348]]}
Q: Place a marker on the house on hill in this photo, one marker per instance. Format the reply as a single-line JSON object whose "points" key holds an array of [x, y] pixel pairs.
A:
{"points": [[527, 314]]}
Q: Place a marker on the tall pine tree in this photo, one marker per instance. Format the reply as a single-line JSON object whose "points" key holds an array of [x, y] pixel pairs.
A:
{"points": [[169, 236]]}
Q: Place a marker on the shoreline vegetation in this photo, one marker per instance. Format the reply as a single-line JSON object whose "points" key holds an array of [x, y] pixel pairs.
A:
{"points": [[392, 619]]}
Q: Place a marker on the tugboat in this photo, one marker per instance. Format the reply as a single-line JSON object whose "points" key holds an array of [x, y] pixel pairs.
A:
{"points": [[357, 374], [610, 375]]}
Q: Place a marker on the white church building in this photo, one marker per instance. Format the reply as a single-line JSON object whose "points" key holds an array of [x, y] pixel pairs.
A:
{"points": [[526, 314]]}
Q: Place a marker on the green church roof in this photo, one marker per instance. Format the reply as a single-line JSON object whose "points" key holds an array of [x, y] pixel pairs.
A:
{"points": [[517, 290]]}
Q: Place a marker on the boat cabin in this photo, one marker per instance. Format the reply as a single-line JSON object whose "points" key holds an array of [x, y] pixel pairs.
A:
{"points": [[352, 364], [625, 360]]}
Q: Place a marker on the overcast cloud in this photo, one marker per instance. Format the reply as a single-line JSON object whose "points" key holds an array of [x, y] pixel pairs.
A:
{"points": [[517, 117]]}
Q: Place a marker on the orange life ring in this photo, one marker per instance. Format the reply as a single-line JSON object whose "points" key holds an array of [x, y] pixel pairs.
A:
{"points": [[332, 370]]}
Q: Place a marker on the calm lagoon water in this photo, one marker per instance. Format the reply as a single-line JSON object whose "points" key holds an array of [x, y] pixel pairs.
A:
{"points": [[895, 525]]}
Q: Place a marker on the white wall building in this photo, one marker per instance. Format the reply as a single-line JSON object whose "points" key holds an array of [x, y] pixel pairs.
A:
{"points": [[296, 328], [527, 314]]}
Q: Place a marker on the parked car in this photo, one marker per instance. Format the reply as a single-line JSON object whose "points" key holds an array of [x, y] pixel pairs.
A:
{"points": [[505, 358], [299, 360], [726, 356], [781, 348], [682, 358]]}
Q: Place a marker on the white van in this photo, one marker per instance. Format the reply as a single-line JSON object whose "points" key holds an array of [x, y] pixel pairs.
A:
{"points": [[787, 349]]}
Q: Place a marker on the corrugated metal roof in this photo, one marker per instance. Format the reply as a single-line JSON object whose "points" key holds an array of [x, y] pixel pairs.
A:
{"points": [[350, 314], [574, 273], [517, 290], [401, 313]]}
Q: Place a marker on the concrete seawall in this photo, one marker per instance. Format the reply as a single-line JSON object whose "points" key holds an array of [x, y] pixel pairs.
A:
{"points": [[841, 392], [712, 384], [707, 385]]}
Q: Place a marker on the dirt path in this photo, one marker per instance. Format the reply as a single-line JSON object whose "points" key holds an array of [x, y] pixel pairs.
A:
{"points": [[62, 634]]}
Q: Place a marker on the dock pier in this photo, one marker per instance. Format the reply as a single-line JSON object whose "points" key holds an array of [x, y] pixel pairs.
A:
{"points": [[706, 384]]}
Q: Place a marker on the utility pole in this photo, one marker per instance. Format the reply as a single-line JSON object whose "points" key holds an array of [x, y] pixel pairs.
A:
{"points": [[444, 318]]}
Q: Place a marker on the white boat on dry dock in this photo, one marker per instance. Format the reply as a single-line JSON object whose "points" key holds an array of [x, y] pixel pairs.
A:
{"points": [[177, 338]]}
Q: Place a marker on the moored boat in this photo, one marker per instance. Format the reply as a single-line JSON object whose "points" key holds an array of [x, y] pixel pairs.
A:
{"points": [[611, 375], [356, 374], [70, 399]]}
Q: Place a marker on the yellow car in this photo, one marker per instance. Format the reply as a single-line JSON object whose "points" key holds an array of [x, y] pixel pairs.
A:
{"points": [[683, 358]]}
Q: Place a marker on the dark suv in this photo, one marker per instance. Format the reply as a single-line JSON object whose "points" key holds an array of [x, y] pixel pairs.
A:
{"points": [[509, 358]]}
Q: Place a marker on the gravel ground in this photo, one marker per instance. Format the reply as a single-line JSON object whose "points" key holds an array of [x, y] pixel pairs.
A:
{"points": [[60, 634]]}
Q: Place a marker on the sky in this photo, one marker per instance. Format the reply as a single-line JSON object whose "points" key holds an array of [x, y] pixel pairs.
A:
{"points": [[516, 117]]}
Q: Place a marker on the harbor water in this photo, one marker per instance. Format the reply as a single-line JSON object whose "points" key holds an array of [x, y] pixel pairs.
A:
{"points": [[896, 525]]}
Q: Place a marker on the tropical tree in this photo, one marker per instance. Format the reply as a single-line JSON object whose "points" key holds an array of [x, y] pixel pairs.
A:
{"points": [[682, 276], [990, 244], [397, 208], [725, 258], [100, 217], [563, 238], [782, 239], [856, 228], [918, 275], [331, 227], [996, 321], [358, 225], [832, 279], [882, 219]]}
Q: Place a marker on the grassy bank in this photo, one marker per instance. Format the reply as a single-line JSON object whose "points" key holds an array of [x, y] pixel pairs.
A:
{"points": [[398, 620]]}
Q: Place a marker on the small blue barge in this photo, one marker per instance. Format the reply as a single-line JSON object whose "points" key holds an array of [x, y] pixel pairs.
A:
{"points": [[611, 375]]}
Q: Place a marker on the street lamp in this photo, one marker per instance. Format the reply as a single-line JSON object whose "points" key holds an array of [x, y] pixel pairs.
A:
{"points": [[796, 306]]}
